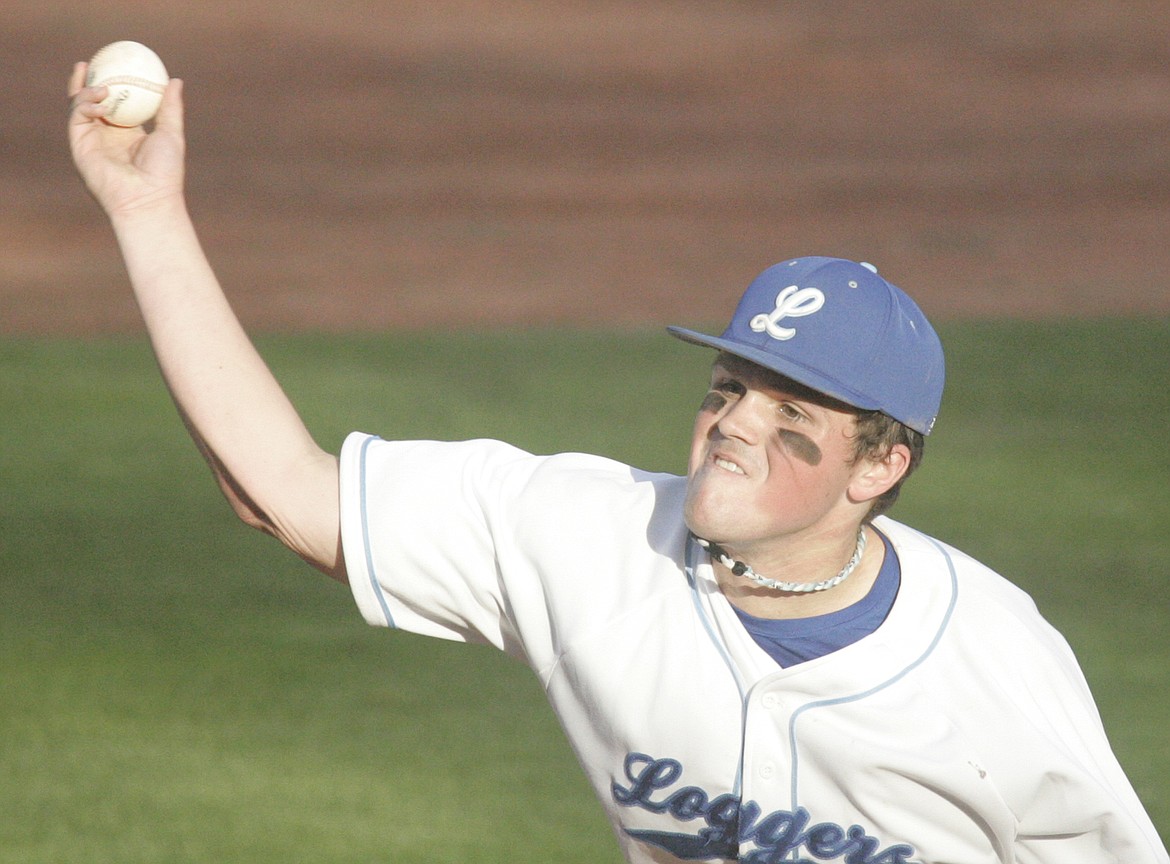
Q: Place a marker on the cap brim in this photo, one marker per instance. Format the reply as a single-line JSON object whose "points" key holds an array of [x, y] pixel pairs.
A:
{"points": [[782, 365]]}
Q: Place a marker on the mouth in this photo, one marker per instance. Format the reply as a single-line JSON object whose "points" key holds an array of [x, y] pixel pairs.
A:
{"points": [[727, 465]]}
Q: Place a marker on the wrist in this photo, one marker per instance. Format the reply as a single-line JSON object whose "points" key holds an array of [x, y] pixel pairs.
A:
{"points": [[148, 210]]}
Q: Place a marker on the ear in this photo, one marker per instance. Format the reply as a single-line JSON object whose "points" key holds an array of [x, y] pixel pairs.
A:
{"points": [[872, 478]]}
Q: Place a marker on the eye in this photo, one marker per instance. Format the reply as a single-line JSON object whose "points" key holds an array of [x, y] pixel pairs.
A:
{"points": [[790, 412], [729, 386]]}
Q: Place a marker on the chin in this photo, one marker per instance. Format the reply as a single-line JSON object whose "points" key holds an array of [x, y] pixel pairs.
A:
{"points": [[710, 526]]}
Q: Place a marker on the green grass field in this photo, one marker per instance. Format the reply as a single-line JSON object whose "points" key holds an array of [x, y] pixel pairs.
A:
{"points": [[176, 688]]}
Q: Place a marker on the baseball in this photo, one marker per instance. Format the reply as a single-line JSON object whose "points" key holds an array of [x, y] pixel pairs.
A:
{"points": [[136, 78]]}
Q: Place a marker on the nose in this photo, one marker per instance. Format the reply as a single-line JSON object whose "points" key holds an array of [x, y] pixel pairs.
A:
{"points": [[741, 419]]}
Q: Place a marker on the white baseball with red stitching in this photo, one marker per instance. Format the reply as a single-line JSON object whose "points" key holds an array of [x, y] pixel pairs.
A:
{"points": [[136, 78]]}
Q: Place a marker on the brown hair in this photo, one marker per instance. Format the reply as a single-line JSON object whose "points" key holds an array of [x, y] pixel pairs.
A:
{"points": [[877, 434]]}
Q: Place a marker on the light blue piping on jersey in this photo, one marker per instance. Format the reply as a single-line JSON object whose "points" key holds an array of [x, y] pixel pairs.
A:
{"points": [[894, 680], [720, 647], [369, 554], [718, 643]]}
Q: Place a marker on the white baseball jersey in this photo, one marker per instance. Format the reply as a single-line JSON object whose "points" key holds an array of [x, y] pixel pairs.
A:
{"points": [[961, 731]]}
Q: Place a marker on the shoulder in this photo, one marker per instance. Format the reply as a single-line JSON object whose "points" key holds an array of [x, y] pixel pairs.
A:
{"points": [[615, 510], [490, 454], [984, 617], [974, 584], [976, 607], [502, 478]]}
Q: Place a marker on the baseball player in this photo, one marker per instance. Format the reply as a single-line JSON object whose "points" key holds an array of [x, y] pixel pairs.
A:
{"points": [[753, 662]]}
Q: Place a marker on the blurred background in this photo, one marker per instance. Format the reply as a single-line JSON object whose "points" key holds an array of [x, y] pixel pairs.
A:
{"points": [[408, 163], [390, 188]]}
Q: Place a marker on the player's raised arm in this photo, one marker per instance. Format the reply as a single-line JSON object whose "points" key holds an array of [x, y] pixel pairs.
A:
{"points": [[265, 460]]}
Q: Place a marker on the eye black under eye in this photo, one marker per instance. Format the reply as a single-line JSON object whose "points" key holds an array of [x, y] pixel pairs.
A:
{"points": [[713, 401]]}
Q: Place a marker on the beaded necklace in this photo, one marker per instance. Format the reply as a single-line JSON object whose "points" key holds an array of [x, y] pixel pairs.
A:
{"points": [[739, 568]]}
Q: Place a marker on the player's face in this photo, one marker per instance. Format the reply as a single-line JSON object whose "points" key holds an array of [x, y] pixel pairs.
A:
{"points": [[769, 461]]}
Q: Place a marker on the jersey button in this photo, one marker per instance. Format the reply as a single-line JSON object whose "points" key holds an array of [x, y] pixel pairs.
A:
{"points": [[770, 701], [767, 771]]}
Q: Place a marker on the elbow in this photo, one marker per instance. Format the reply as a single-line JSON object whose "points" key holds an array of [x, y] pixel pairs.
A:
{"points": [[245, 508], [307, 524], [252, 517]]}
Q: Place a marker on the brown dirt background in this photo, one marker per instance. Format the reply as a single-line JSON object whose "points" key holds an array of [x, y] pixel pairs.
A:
{"points": [[365, 165]]}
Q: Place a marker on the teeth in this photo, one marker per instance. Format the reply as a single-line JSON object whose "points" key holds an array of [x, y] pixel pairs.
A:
{"points": [[728, 466]]}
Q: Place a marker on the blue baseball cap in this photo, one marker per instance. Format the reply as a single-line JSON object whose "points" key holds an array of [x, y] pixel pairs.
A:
{"points": [[838, 327]]}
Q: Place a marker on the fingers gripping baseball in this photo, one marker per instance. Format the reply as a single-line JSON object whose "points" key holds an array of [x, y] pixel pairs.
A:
{"points": [[126, 168]]}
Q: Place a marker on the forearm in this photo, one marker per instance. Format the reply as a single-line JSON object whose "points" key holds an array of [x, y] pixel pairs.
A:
{"points": [[264, 458], [267, 464]]}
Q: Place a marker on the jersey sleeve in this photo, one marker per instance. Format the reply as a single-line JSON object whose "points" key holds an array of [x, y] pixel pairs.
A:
{"points": [[416, 527], [480, 541]]}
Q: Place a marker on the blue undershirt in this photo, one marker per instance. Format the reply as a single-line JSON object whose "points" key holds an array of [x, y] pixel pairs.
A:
{"points": [[792, 641]]}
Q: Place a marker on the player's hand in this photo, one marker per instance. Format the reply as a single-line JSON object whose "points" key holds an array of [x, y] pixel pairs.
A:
{"points": [[126, 169]]}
